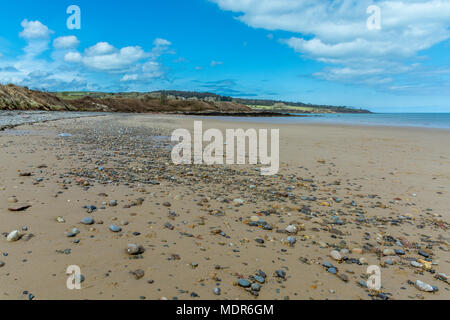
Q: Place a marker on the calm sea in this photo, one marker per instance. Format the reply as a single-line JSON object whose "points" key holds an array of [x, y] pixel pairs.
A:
{"points": [[424, 120]]}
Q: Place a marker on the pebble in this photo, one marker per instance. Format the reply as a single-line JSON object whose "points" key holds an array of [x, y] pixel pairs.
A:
{"points": [[134, 249], [336, 255], [113, 203], [138, 274], [13, 236], [291, 229], [87, 221], [73, 233], [291, 240], [216, 291], [280, 273], [2, 264], [244, 283], [422, 286], [115, 228]]}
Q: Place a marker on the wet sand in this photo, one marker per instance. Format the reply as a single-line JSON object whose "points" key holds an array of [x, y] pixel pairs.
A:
{"points": [[344, 188]]}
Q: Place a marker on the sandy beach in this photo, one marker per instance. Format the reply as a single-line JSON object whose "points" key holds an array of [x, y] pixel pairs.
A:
{"points": [[371, 195]]}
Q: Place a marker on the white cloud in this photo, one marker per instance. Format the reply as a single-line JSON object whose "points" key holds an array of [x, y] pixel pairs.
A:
{"points": [[57, 71], [34, 30], [336, 32], [130, 77], [68, 42], [161, 42], [73, 57], [216, 63], [101, 48]]}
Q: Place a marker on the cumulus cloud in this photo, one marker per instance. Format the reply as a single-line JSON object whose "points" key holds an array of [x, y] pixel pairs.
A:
{"points": [[67, 42], [336, 32], [68, 68], [34, 30]]}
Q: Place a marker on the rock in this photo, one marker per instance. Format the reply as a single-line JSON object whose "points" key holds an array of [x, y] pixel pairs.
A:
{"points": [[134, 249], [280, 273], [416, 264], [291, 229], [442, 277], [216, 291], [115, 228], [422, 286], [167, 204], [2, 264], [87, 221], [60, 219], [13, 236], [357, 251], [19, 208], [113, 203], [336, 255], [291, 240], [332, 270], [244, 283], [238, 201], [259, 279], [363, 260], [388, 252], [138, 274], [256, 287], [73, 233]]}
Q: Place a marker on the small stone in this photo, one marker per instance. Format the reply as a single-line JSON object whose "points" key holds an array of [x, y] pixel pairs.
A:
{"points": [[60, 219], [87, 221], [259, 279], [138, 274], [216, 291], [416, 264], [134, 249], [115, 228], [291, 229], [336, 255], [73, 233], [113, 203], [238, 201], [256, 287], [19, 208], [13, 236], [332, 270], [244, 283], [388, 252], [280, 273], [291, 240], [2, 264], [422, 286]]}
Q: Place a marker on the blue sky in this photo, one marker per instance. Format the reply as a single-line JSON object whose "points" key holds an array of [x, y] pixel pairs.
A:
{"points": [[297, 50]]}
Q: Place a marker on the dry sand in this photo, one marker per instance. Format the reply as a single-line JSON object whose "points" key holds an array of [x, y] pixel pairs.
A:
{"points": [[387, 172]]}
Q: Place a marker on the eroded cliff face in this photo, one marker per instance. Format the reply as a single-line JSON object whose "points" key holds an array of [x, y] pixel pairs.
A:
{"points": [[13, 97]]}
